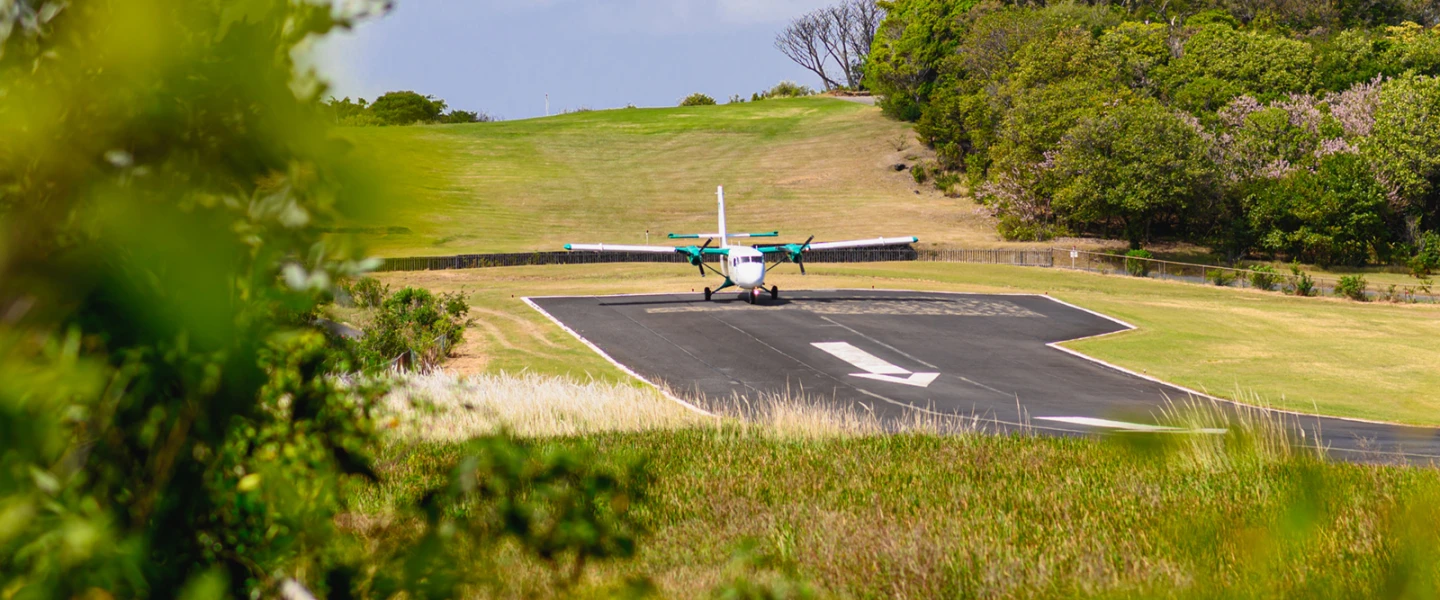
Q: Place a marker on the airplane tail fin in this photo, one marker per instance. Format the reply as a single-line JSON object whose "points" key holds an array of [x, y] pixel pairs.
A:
{"points": [[720, 194]]}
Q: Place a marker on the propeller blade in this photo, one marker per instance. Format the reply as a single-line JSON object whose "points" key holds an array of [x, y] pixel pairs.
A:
{"points": [[803, 247], [700, 256]]}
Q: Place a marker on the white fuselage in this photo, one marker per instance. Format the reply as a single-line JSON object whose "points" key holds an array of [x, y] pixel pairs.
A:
{"points": [[745, 267]]}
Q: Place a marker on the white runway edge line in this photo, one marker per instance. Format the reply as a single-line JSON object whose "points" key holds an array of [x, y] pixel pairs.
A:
{"points": [[1123, 426], [664, 392]]}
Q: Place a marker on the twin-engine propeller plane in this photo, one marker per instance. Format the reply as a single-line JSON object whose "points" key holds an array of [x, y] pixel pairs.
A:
{"points": [[742, 266]]}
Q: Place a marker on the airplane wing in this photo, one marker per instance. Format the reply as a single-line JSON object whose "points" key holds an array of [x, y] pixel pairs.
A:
{"points": [[795, 252], [880, 241], [624, 248], [795, 249], [695, 255]]}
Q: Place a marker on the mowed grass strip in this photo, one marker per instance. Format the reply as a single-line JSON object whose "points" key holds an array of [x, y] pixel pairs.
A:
{"points": [[924, 516], [803, 166], [1371, 361]]}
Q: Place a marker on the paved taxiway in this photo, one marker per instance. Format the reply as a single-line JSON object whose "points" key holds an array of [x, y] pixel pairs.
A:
{"points": [[980, 356]]}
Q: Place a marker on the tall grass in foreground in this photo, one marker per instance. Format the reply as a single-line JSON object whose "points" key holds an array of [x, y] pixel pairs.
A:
{"points": [[439, 406], [859, 507]]}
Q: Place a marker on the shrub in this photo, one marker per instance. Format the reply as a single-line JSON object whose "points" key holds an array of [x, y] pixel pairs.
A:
{"points": [[1352, 287], [414, 329], [466, 116], [1016, 229], [366, 292], [1300, 284], [697, 99], [920, 172], [1221, 277], [789, 89], [1427, 258], [1264, 277], [947, 181], [737, 99], [1137, 262]]}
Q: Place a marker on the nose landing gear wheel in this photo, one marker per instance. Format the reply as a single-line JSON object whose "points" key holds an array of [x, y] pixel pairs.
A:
{"points": [[707, 294], [774, 292], [750, 296]]}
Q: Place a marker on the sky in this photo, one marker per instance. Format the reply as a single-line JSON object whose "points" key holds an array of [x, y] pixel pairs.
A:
{"points": [[502, 57]]}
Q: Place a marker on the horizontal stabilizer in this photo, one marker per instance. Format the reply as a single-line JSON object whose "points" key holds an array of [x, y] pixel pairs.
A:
{"points": [[689, 236]]}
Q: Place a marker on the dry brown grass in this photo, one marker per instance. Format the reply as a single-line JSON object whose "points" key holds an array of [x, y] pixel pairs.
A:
{"points": [[443, 407], [439, 406]]}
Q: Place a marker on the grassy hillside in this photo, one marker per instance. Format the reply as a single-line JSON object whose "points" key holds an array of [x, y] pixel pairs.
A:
{"points": [[1374, 361], [803, 166]]}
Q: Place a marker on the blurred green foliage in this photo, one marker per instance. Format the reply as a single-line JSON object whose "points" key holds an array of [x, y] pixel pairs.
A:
{"points": [[167, 419], [174, 422], [561, 507], [167, 425]]}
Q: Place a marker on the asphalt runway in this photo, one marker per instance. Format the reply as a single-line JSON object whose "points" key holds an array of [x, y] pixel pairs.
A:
{"points": [[986, 357]]}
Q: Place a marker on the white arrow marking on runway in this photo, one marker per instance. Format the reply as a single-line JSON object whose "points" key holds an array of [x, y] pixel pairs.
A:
{"points": [[1107, 423], [876, 367]]}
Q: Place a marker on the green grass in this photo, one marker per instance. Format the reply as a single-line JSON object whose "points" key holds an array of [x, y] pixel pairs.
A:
{"points": [[608, 176], [1372, 361], [922, 516]]}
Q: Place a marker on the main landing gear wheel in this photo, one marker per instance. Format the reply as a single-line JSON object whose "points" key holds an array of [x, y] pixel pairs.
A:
{"points": [[774, 292], [707, 294]]}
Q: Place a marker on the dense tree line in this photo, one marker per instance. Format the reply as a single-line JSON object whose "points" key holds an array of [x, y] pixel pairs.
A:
{"points": [[1299, 129], [399, 108]]}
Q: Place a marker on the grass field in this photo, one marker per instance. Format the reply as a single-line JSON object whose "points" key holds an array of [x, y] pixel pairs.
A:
{"points": [[1372, 361], [804, 166], [918, 515], [825, 503]]}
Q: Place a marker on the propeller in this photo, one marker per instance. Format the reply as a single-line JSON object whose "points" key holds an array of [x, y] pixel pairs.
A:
{"points": [[700, 256], [797, 257]]}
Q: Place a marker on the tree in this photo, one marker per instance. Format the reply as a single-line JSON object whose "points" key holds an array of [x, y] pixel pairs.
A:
{"points": [[801, 42], [1405, 147], [1220, 63], [1139, 163], [1336, 214], [407, 108], [841, 34]]}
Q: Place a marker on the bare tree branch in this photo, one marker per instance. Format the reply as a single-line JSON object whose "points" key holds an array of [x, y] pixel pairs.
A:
{"points": [[801, 41], [867, 17], [840, 35], [835, 37]]}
